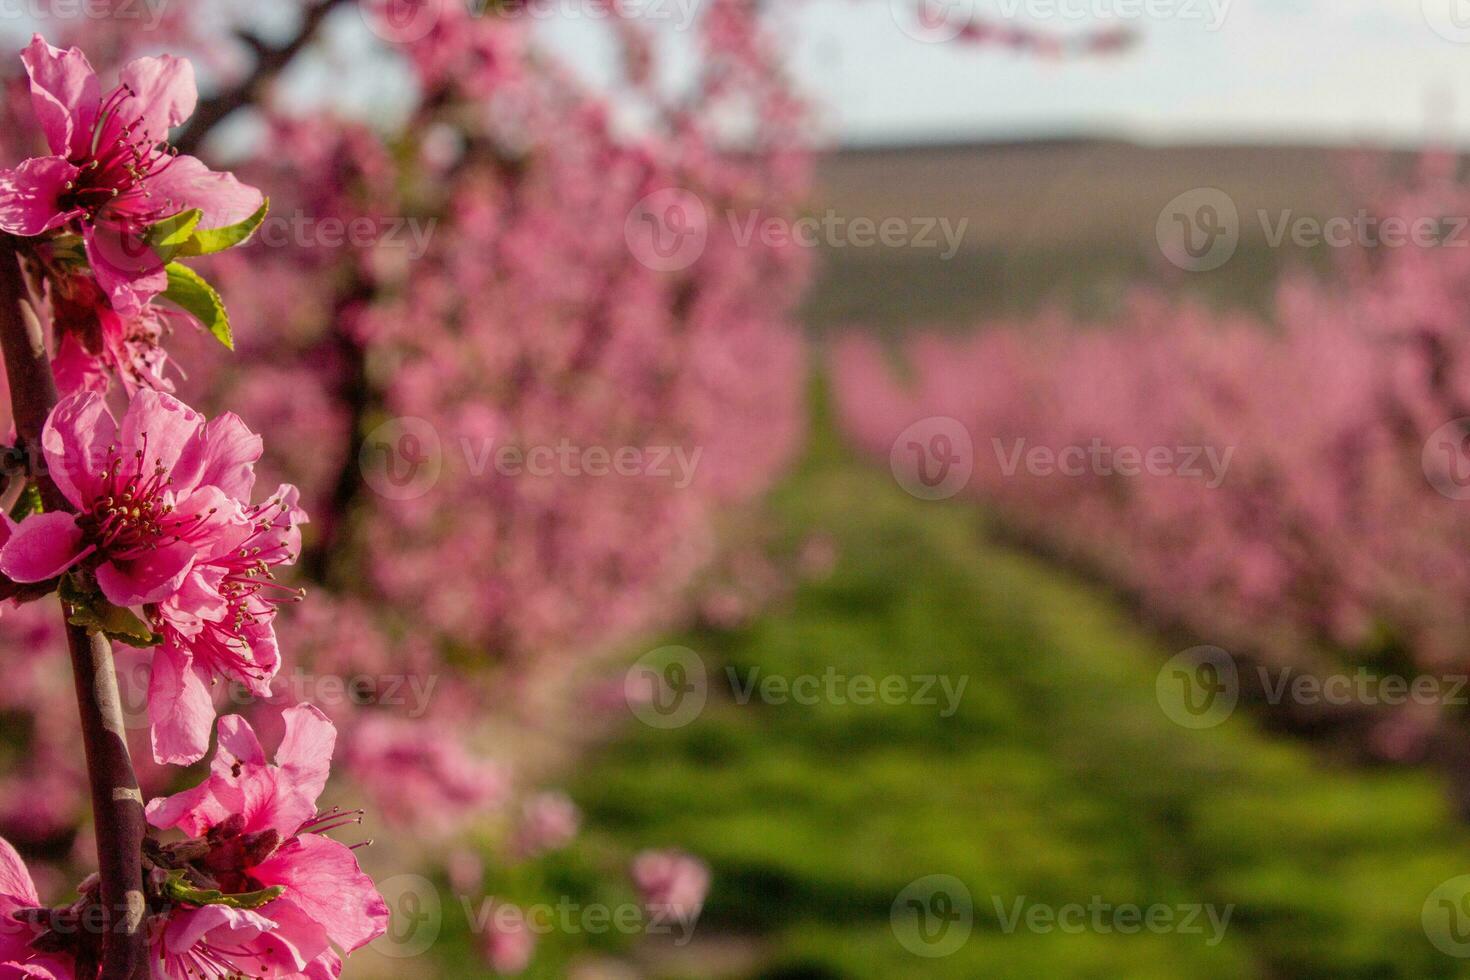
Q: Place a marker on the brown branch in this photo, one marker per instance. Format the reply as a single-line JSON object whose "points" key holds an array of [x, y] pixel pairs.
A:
{"points": [[269, 63], [117, 803]]}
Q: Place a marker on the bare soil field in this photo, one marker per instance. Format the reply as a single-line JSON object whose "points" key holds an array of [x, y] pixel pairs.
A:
{"points": [[1070, 221]]}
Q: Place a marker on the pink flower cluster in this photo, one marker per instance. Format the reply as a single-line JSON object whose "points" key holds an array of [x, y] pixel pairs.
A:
{"points": [[147, 527], [110, 181]]}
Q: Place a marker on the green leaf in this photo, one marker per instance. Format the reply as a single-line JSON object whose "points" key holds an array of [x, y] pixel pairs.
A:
{"points": [[188, 290], [213, 240], [170, 235], [28, 504], [118, 623], [177, 888]]}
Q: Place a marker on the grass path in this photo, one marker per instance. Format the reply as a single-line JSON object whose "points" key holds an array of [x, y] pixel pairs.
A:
{"points": [[1058, 779]]}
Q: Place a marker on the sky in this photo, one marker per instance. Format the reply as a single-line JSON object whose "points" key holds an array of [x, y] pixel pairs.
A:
{"points": [[1329, 71], [1303, 71]]}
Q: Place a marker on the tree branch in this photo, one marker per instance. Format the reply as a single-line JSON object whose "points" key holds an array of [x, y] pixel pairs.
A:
{"points": [[269, 62], [117, 803]]}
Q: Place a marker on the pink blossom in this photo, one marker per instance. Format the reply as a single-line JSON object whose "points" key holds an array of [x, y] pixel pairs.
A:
{"points": [[673, 884], [111, 174], [153, 495], [96, 343], [164, 521], [221, 623], [254, 826], [509, 941], [548, 821], [421, 776], [18, 894]]}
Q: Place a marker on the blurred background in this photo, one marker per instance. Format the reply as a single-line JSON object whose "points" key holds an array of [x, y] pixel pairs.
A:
{"points": [[846, 488]]}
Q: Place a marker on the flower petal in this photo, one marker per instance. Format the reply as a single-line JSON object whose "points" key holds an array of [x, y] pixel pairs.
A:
{"points": [[42, 547], [164, 95], [78, 433], [224, 456], [306, 749], [30, 196], [323, 880], [151, 577], [187, 926], [76, 370], [15, 879], [237, 743], [128, 271], [65, 95], [187, 183], [195, 810], [163, 428], [180, 708]]}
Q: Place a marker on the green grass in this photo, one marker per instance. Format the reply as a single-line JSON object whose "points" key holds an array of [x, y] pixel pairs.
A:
{"points": [[1058, 779]]}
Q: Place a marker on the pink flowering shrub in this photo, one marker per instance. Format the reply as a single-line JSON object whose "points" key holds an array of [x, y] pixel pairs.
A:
{"points": [[1308, 528]]}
